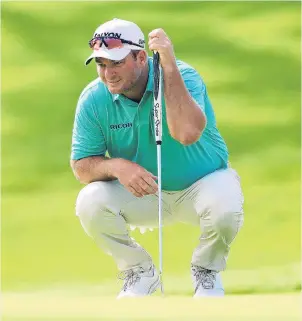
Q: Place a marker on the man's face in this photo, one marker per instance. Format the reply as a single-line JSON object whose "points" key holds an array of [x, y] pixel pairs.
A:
{"points": [[120, 76]]}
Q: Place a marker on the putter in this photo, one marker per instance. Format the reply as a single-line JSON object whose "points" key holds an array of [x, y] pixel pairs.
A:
{"points": [[157, 110]]}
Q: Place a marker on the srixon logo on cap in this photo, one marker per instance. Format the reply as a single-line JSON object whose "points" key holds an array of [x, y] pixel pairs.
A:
{"points": [[108, 34]]}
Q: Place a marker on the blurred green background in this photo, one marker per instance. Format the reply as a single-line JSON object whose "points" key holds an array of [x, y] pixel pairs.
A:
{"points": [[249, 56]]}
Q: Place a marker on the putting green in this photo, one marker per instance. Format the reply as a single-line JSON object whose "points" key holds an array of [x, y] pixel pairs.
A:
{"points": [[72, 306]]}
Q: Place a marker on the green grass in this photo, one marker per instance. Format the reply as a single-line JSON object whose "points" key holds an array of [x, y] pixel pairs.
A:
{"points": [[249, 57], [59, 306]]}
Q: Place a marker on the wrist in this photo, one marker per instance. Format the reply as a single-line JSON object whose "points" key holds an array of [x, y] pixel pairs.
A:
{"points": [[170, 70], [170, 66], [115, 167]]}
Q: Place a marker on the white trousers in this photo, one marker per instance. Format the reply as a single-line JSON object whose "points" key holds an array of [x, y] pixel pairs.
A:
{"points": [[214, 203]]}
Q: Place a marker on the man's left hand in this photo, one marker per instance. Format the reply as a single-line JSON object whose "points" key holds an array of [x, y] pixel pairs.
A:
{"points": [[160, 42]]}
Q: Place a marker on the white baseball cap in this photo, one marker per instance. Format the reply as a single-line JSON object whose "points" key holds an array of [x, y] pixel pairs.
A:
{"points": [[118, 29]]}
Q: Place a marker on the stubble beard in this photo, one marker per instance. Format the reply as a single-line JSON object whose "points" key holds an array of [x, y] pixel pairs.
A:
{"points": [[134, 83]]}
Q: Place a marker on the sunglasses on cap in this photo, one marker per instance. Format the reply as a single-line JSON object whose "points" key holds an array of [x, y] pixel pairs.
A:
{"points": [[110, 43]]}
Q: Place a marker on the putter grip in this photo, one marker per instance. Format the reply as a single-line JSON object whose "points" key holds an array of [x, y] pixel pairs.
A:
{"points": [[157, 109], [156, 74]]}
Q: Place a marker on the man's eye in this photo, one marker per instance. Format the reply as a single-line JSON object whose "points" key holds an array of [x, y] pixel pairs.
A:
{"points": [[101, 65], [116, 63]]}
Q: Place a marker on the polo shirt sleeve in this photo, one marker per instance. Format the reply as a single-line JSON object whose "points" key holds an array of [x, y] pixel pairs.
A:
{"points": [[87, 136], [194, 85]]}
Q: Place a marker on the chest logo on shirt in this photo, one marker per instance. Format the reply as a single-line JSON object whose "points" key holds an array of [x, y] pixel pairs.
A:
{"points": [[120, 126]]}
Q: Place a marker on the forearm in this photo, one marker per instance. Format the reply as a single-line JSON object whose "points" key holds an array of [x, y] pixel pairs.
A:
{"points": [[96, 168], [185, 119]]}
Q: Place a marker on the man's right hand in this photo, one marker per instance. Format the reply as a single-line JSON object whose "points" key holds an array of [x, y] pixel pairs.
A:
{"points": [[136, 179]]}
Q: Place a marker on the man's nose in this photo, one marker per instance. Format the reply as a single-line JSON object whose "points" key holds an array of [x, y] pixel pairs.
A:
{"points": [[110, 73]]}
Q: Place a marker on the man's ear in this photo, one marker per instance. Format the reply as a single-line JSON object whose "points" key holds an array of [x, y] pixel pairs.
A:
{"points": [[142, 57]]}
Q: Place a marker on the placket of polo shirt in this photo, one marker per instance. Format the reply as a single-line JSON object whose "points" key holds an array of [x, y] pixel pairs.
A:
{"points": [[126, 101]]}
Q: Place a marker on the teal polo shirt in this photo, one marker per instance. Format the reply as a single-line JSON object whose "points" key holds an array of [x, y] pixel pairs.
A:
{"points": [[112, 123]]}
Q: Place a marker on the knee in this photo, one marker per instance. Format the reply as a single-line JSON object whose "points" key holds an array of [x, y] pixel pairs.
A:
{"points": [[90, 202], [91, 198], [228, 224]]}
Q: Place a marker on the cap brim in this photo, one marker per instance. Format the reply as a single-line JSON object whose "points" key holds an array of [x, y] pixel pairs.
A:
{"points": [[112, 54]]}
